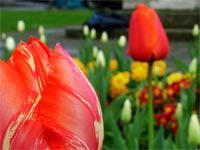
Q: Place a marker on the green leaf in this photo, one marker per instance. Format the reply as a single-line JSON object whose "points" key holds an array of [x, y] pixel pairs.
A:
{"points": [[188, 101], [116, 106], [115, 139], [191, 96], [136, 129], [131, 140], [180, 137], [159, 139], [100, 85], [169, 145]]}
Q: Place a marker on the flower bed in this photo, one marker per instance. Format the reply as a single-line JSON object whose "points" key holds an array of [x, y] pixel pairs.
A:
{"points": [[122, 84]]}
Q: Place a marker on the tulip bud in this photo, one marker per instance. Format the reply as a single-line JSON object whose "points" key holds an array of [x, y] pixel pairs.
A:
{"points": [[122, 41], [95, 51], [195, 30], [100, 61], [126, 114], [142, 45], [85, 30], [10, 43], [179, 110], [20, 26], [194, 130], [41, 30], [43, 38], [193, 66], [104, 37], [93, 33]]}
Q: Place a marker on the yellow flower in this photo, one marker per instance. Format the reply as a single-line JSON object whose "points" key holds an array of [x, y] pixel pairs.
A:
{"points": [[126, 75], [113, 64], [80, 65], [174, 77], [159, 68], [139, 71], [190, 76], [118, 84]]}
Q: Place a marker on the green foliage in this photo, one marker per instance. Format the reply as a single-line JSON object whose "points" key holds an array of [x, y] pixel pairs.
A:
{"points": [[47, 18]]}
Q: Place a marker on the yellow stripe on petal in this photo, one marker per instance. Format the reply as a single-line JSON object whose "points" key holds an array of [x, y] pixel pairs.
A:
{"points": [[29, 58], [25, 113]]}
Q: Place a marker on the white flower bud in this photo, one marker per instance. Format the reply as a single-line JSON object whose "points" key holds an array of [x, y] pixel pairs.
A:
{"points": [[195, 30], [41, 30], [95, 51], [20, 26], [194, 130], [193, 66], [100, 60], [126, 114], [179, 110], [93, 33], [104, 37], [10, 43], [43, 38], [122, 41], [85, 30]]}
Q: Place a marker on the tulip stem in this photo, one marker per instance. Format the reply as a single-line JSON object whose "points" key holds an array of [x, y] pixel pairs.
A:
{"points": [[150, 108]]}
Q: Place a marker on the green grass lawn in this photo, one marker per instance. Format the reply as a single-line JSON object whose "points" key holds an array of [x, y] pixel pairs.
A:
{"points": [[47, 18]]}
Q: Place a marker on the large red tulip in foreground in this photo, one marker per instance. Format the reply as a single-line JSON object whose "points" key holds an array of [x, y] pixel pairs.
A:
{"points": [[147, 38], [46, 102]]}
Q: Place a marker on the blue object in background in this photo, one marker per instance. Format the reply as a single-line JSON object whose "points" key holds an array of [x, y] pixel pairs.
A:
{"points": [[69, 3], [107, 21]]}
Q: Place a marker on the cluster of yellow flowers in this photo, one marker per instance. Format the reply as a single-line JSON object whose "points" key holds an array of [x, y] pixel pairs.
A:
{"points": [[118, 83], [139, 70], [174, 77]]}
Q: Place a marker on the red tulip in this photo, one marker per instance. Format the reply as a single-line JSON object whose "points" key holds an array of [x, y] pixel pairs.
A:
{"points": [[46, 102], [147, 38]]}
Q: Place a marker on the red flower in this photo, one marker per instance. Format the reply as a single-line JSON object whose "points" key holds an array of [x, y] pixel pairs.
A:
{"points": [[162, 119], [157, 96], [147, 38], [173, 90], [169, 109], [46, 101], [174, 126]]}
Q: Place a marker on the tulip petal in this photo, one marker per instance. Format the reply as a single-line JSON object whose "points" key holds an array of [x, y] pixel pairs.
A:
{"points": [[17, 105], [31, 60], [11, 87], [55, 99], [76, 108], [162, 44]]}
